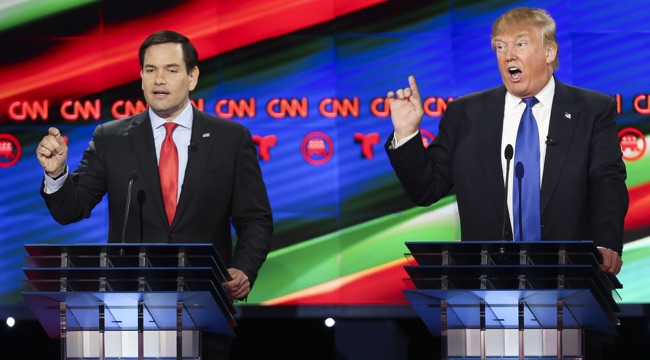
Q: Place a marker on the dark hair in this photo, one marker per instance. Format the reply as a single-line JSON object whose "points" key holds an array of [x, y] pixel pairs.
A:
{"points": [[190, 55]]}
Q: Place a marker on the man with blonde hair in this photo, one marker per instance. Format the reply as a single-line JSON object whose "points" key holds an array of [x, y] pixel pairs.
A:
{"points": [[567, 181]]}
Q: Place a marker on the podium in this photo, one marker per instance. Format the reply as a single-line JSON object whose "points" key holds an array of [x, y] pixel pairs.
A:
{"points": [[512, 300], [128, 301]]}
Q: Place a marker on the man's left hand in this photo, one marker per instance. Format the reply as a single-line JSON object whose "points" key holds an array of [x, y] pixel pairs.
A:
{"points": [[612, 262], [239, 287]]}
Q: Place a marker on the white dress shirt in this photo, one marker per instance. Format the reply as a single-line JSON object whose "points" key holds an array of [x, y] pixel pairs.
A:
{"points": [[514, 109], [181, 135]]}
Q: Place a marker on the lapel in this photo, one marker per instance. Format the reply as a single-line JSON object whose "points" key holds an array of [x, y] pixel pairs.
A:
{"points": [[141, 137], [202, 139], [564, 116], [489, 134]]}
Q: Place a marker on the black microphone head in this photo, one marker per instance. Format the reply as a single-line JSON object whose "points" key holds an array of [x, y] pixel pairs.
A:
{"points": [[508, 152], [133, 176], [519, 170], [142, 197]]}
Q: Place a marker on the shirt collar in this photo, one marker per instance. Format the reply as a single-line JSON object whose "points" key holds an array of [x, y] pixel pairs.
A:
{"points": [[184, 119], [545, 96]]}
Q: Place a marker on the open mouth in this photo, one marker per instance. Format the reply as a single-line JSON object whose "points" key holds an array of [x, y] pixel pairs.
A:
{"points": [[515, 73]]}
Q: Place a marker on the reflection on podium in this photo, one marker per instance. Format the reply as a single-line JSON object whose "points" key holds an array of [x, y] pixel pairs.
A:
{"points": [[128, 301], [512, 300]]}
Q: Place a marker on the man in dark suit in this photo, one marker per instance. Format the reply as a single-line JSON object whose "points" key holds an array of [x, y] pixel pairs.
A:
{"points": [[217, 178], [582, 175]]}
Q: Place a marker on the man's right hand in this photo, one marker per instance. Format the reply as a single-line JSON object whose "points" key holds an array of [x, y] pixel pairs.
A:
{"points": [[406, 109], [52, 153]]}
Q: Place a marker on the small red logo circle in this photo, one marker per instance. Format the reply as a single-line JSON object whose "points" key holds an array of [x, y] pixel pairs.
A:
{"points": [[317, 148], [633, 143], [10, 150]]}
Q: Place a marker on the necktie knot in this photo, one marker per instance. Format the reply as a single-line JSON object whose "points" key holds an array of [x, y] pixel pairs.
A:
{"points": [[169, 127], [530, 102]]}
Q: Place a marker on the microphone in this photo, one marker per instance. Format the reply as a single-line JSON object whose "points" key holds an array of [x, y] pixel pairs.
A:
{"points": [[519, 174], [550, 142], [133, 176], [192, 146], [508, 155]]}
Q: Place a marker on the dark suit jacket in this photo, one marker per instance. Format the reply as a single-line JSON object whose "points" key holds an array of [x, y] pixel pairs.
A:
{"points": [[223, 182], [583, 195]]}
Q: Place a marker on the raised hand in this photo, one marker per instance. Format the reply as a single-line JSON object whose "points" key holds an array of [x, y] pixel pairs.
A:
{"points": [[406, 109], [52, 153]]}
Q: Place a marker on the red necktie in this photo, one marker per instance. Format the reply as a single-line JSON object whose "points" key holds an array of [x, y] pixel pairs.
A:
{"points": [[168, 169]]}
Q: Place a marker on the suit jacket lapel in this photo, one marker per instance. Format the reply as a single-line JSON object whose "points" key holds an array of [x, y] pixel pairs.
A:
{"points": [[141, 137], [564, 116], [490, 133], [202, 139]]}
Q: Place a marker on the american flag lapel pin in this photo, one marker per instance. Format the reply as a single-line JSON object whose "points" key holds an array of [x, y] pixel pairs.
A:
{"points": [[567, 115], [206, 135]]}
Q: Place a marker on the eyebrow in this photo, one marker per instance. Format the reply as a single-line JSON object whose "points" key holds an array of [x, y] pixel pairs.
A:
{"points": [[516, 37], [165, 66]]}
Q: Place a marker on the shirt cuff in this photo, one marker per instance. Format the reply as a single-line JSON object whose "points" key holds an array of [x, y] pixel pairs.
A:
{"points": [[397, 143], [53, 185]]}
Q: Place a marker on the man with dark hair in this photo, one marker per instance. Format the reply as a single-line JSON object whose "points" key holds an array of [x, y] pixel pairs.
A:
{"points": [[190, 55], [197, 174], [570, 176]]}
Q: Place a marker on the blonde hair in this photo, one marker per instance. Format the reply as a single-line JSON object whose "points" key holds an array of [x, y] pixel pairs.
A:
{"points": [[537, 18]]}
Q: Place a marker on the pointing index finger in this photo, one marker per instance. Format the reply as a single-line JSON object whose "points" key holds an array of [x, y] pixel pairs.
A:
{"points": [[414, 87], [56, 134]]}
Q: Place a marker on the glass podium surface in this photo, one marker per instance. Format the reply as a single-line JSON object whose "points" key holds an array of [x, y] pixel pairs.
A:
{"points": [[511, 300], [128, 301]]}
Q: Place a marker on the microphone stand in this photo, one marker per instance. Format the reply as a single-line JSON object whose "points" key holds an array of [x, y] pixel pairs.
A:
{"points": [[132, 177]]}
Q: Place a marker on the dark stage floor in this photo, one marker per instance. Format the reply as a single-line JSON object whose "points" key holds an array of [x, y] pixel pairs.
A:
{"points": [[311, 339]]}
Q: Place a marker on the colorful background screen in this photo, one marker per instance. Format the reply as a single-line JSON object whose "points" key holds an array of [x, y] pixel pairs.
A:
{"points": [[309, 79]]}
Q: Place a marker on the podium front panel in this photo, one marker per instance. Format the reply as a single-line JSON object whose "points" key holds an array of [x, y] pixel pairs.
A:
{"points": [[169, 282]]}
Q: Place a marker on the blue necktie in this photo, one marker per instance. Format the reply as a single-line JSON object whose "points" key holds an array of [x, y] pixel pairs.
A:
{"points": [[525, 199]]}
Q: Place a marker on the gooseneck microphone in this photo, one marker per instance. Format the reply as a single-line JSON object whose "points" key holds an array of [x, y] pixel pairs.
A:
{"points": [[519, 174], [133, 176], [508, 153]]}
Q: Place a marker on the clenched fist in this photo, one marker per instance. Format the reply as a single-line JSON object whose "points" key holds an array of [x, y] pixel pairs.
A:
{"points": [[52, 153]]}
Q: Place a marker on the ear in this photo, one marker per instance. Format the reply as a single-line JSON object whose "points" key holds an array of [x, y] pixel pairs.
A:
{"points": [[194, 78], [551, 53]]}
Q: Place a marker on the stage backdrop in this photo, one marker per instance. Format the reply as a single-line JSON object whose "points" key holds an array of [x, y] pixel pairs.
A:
{"points": [[309, 79]]}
